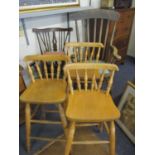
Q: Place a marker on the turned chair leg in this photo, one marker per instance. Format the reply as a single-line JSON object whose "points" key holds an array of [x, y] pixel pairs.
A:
{"points": [[112, 138], [100, 127], [28, 125], [63, 118], [70, 137]]}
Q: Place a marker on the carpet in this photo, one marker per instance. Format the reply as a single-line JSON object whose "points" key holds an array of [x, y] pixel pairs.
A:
{"points": [[81, 134]]}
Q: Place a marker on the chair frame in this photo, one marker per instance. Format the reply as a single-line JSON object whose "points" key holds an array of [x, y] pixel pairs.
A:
{"points": [[28, 117], [49, 41], [108, 20], [110, 126], [83, 51]]}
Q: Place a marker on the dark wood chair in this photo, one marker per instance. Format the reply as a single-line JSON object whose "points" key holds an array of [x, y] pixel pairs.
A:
{"points": [[97, 25], [52, 39]]}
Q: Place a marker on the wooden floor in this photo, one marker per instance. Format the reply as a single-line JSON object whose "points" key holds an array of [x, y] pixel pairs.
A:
{"points": [[81, 134]]}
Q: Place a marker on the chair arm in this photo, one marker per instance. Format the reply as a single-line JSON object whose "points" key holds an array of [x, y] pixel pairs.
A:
{"points": [[115, 52]]}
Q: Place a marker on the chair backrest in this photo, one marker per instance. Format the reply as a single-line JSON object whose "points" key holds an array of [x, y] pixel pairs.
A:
{"points": [[90, 84], [83, 51], [95, 25], [46, 66], [52, 39]]}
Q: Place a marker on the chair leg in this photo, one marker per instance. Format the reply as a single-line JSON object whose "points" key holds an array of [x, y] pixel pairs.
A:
{"points": [[63, 118], [28, 125], [101, 127], [112, 138], [70, 137]]}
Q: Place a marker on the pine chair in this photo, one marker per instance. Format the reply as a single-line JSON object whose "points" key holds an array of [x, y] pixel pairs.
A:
{"points": [[84, 52], [52, 39], [97, 25], [89, 104], [47, 87]]}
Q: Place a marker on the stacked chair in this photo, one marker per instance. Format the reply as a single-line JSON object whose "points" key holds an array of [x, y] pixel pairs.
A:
{"points": [[74, 81]]}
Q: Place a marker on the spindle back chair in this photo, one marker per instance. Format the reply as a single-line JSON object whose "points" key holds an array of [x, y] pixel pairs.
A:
{"points": [[84, 51], [48, 86], [97, 25], [90, 104], [96, 84], [52, 39]]}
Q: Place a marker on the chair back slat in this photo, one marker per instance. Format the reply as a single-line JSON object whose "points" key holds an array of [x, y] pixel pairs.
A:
{"points": [[110, 82], [75, 54], [46, 66], [101, 30], [78, 80], [92, 54], [96, 81], [52, 70], [31, 73], [77, 31], [86, 80], [38, 70], [58, 69], [86, 54], [70, 82], [45, 70], [101, 81], [88, 30], [52, 39], [84, 51], [95, 25]]}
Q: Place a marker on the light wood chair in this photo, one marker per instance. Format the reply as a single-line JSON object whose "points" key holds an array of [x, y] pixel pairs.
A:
{"points": [[52, 39], [48, 86], [97, 25], [89, 104], [84, 52]]}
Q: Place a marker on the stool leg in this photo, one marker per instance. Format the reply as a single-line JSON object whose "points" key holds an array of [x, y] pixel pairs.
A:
{"points": [[63, 118], [70, 137], [101, 127], [28, 125], [112, 138]]}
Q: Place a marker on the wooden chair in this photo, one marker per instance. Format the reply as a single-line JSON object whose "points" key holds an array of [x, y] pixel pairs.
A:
{"points": [[84, 51], [97, 25], [89, 104], [47, 87], [52, 39]]}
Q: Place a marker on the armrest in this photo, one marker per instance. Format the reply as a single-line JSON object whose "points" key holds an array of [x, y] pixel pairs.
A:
{"points": [[115, 52]]}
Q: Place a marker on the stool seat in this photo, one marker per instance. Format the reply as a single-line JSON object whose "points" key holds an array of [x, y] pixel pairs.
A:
{"points": [[90, 106], [45, 91]]}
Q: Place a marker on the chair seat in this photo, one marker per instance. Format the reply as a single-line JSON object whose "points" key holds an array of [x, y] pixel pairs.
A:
{"points": [[88, 106], [45, 92]]}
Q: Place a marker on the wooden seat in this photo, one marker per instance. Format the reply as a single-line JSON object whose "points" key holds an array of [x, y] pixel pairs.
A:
{"points": [[45, 92], [89, 103], [91, 107], [48, 86]]}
